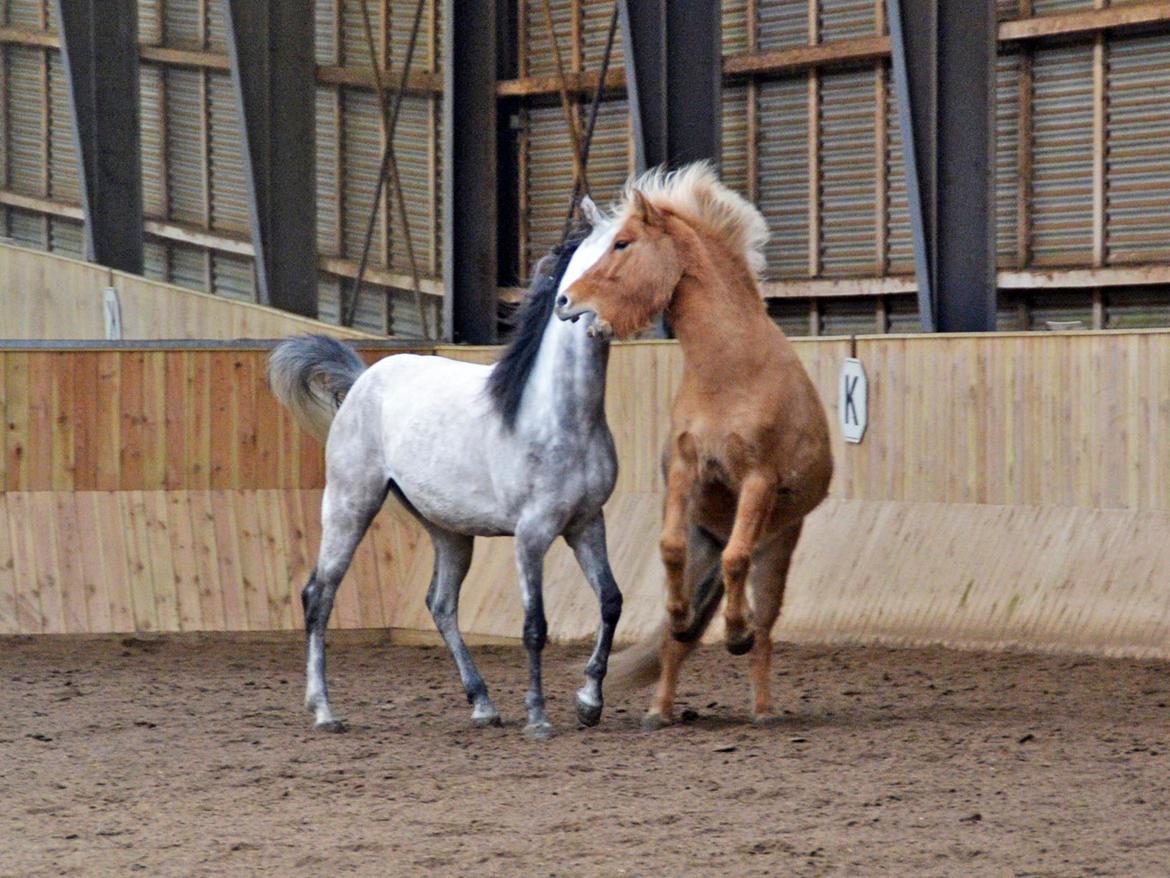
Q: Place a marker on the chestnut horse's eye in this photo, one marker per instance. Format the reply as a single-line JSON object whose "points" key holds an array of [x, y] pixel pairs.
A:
{"points": [[620, 245]]}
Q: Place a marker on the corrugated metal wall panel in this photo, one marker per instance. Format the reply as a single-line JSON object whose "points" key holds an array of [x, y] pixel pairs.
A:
{"points": [[404, 317], [1061, 307], [184, 148], [325, 43], [1006, 10], [1007, 143], [216, 26], [27, 229], [848, 168], [150, 89], [1138, 154], [327, 145], [328, 296], [401, 22], [180, 23], [150, 22], [64, 181], [541, 61], [847, 19], [791, 315], [155, 260], [848, 317], [899, 236], [354, 51], [1053, 7], [229, 194], [370, 313], [783, 169], [781, 24], [735, 25], [1137, 307], [24, 13], [25, 138], [412, 152], [902, 314], [733, 160], [233, 277], [188, 267], [1062, 156], [65, 237], [361, 144]]}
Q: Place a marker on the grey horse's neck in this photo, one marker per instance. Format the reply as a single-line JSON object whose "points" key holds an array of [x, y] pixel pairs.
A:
{"points": [[570, 375]]}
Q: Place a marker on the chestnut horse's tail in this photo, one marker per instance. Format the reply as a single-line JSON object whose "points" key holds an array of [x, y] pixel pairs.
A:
{"points": [[638, 665]]}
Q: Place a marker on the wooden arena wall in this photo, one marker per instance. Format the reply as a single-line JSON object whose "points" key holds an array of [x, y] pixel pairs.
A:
{"points": [[47, 296], [1010, 490]]}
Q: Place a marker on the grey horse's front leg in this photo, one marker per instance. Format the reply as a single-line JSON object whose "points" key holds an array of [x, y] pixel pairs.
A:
{"points": [[452, 561], [532, 543], [588, 545]]}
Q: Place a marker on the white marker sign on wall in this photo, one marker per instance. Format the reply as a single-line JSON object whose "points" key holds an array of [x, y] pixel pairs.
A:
{"points": [[853, 400]]}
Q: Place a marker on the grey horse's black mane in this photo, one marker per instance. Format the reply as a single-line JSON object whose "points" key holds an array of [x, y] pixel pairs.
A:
{"points": [[507, 380]]}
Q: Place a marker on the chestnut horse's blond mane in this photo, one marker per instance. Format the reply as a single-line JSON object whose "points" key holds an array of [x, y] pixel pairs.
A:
{"points": [[695, 191]]}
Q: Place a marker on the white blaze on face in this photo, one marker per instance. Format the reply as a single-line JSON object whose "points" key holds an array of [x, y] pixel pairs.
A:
{"points": [[590, 250]]}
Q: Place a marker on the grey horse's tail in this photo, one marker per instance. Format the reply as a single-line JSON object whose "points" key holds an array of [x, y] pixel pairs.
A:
{"points": [[639, 665], [310, 375]]}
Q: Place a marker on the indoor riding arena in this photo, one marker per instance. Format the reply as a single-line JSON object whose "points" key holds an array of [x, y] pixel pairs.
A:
{"points": [[968, 205]]}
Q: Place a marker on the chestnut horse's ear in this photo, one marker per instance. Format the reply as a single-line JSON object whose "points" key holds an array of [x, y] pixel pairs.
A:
{"points": [[647, 212]]}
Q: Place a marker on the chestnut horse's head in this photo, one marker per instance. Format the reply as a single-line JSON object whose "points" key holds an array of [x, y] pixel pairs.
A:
{"points": [[633, 281]]}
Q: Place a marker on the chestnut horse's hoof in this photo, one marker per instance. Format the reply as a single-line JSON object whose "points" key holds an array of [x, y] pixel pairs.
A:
{"points": [[740, 642], [683, 627], [653, 721]]}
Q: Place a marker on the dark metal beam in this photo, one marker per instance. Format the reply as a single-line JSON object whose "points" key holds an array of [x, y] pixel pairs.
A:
{"points": [[99, 40], [944, 66], [643, 25], [469, 172], [270, 45], [694, 77], [510, 264]]}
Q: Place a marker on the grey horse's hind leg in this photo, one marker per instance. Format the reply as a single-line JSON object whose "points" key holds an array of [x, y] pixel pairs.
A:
{"points": [[347, 508], [588, 545], [452, 560], [532, 541]]}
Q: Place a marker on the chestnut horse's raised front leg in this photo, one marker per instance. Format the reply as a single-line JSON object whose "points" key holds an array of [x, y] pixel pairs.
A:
{"points": [[681, 474], [757, 495]]}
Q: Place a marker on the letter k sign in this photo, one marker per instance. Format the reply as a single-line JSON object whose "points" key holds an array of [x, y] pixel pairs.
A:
{"points": [[853, 400]]}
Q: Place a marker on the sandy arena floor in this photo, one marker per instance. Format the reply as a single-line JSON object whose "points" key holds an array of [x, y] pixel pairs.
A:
{"points": [[196, 759]]}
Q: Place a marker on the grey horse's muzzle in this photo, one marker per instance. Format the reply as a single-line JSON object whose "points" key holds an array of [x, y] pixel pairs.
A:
{"points": [[598, 328]]}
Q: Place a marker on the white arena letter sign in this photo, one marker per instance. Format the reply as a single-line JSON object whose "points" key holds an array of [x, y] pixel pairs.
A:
{"points": [[853, 401]]}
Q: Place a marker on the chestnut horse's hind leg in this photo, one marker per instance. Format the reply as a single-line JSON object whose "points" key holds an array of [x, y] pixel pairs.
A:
{"points": [[681, 473], [768, 576], [757, 496], [703, 582]]}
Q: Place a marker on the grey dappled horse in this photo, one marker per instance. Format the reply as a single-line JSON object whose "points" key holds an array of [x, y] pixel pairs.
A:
{"points": [[520, 448]]}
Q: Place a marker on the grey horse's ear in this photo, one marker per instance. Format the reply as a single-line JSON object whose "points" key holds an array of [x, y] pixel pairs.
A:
{"points": [[590, 211]]}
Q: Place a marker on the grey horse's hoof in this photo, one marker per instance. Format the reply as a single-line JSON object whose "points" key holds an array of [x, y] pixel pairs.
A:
{"points": [[740, 642], [540, 731], [653, 721], [486, 720], [336, 726], [588, 714]]}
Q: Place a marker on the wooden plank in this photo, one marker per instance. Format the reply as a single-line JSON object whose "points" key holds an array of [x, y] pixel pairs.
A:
{"points": [[278, 555], [132, 434], [16, 426], [69, 549], [42, 525], [117, 564], [41, 423], [207, 569], [160, 545], [132, 508], [222, 425], [184, 561], [811, 57], [9, 617], [84, 368], [95, 574], [267, 418], [154, 420], [63, 406], [227, 544], [29, 618], [1089, 21], [244, 419], [254, 572]]}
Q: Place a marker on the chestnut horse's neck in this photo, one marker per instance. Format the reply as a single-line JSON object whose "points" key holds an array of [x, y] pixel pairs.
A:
{"points": [[717, 313]]}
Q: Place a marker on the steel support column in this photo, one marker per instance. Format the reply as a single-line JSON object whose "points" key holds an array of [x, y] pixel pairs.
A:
{"points": [[510, 265], [270, 46], [673, 61], [469, 172], [99, 41], [944, 68]]}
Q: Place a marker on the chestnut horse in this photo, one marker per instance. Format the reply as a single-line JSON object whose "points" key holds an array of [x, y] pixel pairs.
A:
{"points": [[748, 455]]}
